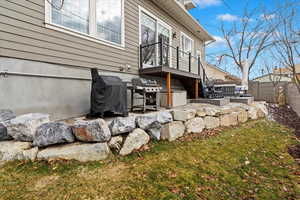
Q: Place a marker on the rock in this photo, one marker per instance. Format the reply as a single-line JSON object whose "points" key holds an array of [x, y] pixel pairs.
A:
{"points": [[135, 140], [3, 133], [154, 133], [91, 131], [242, 116], [115, 143], [201, 113], [252, 113], [122, 125], [23, 128], [184, 115], [195, 125], [211, 122], [147, 122], [172, 131], [262, 108], [6, 114], [77, 151], [164, 117], [53, 133], [229, 119], [212, 111], [12, 150]]}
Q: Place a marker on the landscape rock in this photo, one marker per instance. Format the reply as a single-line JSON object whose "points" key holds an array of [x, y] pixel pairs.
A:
{"points": [[201, 113], [115, 143], [53, 133], [13, 150], [6, 114], [82, 152], [135, 140], [229, 119], [122, 125], [3, 133], [147, 122], [23, 128], [195, 125], [211, 122], [242, 116], [91, 131], [252, 113], [184, 115], [164, 117], [154, 133], [172, 131], [262, 109], [212, 111]]}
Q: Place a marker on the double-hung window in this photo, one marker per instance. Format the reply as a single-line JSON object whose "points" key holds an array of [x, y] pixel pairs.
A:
{"points": [[187, 45], [99, 19]]}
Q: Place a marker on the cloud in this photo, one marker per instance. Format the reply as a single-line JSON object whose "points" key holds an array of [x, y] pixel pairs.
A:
{"points": [[267, 17], [228, 17], [220, 42], [207, 3]]}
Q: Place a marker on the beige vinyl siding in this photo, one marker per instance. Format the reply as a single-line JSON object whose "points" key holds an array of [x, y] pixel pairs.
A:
{"points": [[23, 35]]}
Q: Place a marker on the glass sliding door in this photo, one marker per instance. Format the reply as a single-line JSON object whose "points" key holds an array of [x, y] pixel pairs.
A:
{"points": [[148, 37], [164, 36]]}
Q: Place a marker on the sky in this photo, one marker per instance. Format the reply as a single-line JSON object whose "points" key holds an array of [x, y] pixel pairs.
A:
{"points": [[210, 13]]}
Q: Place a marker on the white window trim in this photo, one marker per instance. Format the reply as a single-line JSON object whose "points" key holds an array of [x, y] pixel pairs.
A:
{"points": [[93, 37], [193, 43], [159, 21]]}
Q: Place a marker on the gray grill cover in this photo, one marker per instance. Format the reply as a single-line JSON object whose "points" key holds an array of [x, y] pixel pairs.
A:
{"points": [[109, 94]]}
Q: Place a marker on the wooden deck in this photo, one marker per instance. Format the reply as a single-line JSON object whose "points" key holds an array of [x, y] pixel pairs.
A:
{"points": [[162, 71]]}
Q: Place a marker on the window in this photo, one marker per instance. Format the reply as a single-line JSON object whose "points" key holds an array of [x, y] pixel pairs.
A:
{"points": [[186, 45], [100, 19]]}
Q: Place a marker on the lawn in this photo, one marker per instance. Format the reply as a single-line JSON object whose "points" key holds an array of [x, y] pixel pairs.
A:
{"points": [[247, 162]]}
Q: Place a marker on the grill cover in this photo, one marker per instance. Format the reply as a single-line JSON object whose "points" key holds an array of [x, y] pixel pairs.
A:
{"points": [[109, 94]]}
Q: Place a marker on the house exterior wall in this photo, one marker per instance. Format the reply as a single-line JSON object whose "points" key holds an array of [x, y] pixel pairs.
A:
{"points": [[48, 70]]}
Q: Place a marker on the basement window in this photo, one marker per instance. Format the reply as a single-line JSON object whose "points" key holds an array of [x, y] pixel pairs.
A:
{"points": [[99, 19]]}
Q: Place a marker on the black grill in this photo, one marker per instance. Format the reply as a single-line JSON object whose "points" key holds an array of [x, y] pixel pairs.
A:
{"points": [[109, 94]]}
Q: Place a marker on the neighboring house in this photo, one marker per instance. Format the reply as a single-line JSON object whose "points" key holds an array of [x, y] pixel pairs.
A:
{"points": [[279, 75], [47, 49], [215, 73]]}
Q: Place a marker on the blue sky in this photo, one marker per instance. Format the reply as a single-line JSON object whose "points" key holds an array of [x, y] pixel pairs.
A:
{"points": [[210, 13]]}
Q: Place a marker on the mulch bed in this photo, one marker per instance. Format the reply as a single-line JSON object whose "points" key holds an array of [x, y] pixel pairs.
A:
{"points": [[286, 116]]}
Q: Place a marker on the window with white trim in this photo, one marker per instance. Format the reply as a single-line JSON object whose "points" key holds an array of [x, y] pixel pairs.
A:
{"points": [[100, 19], [187, 45]]}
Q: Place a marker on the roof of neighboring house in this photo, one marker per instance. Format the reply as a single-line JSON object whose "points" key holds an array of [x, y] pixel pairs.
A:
{"points": [[226, 74], [286, 70], [272, 77], [180, 13]]}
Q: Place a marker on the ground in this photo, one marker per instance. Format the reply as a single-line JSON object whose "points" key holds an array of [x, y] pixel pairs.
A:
{"points": [[249, 162]]}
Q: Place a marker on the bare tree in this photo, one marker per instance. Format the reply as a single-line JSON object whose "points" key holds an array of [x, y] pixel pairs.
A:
{"points": [[287, 49], [248, 37]]}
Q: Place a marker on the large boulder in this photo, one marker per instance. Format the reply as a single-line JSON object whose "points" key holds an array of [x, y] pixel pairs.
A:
{"points": [[201, 112], [184, 115], [3, 133], [172, 131], [155, 133], [91, 131], [211, 122], [261, 108], [164, 117], [122, 125], [115, 143], [6, 114], [147, 122], [82, 152], [23, 128], [252, 113], [13, 150], [212, 111], [195, 125], [135, 140], [229, 119], [242, 116], [53, 133]]}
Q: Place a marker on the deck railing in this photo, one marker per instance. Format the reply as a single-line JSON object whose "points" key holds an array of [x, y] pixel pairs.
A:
{"points": [[161, 54]]}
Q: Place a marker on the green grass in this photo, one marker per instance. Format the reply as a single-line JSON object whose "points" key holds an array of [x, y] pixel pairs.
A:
{"points": [[248, 162]]}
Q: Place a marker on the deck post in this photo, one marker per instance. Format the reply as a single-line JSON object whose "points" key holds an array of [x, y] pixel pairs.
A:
{"points": [[141, 56], [169, 92], [190, 62], [161, 51], [196, 89], [199, 65], [177, 58]]}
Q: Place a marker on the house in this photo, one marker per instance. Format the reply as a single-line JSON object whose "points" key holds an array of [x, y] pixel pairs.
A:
{"points": [[219, 75], [47, 48], [279, 75]]}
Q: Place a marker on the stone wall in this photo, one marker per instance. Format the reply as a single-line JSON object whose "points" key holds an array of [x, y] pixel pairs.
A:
{"points": [[34, 136]]}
